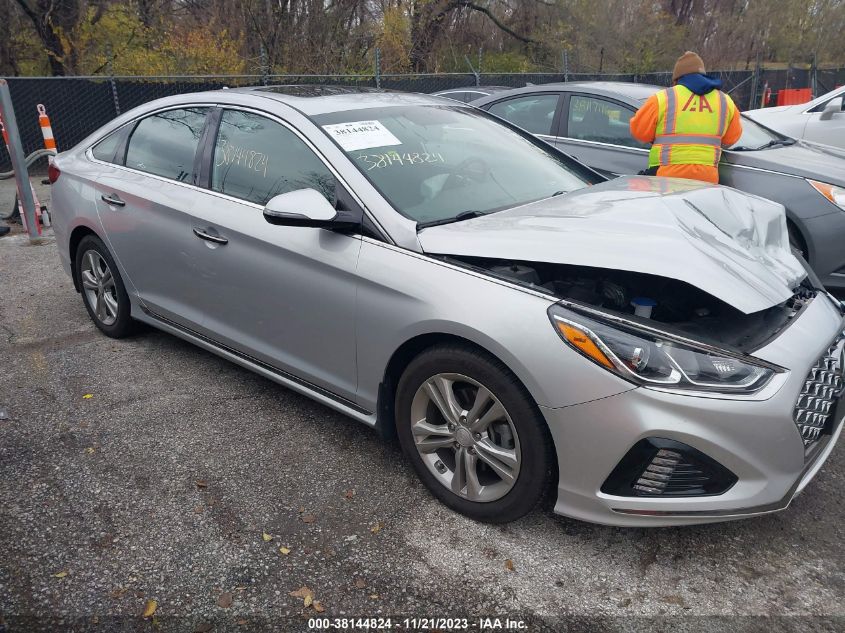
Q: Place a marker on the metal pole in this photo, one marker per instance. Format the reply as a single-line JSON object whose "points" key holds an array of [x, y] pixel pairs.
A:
{"points": [[378, 68], [565, 65], [478, 74], [814, 83], [112, 82], [265, 67], [18, 160], [474, 71]]}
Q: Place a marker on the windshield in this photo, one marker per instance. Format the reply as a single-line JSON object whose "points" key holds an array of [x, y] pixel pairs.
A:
{"points": [[754, 136], [441, 163]]}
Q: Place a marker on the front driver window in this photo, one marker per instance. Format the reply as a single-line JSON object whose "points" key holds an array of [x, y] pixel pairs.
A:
{"points": [[256, 159], [592, 119], [533, 113]]}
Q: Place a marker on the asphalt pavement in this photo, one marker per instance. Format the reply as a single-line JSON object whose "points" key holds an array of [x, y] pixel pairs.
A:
{"points": [[147, 475]]}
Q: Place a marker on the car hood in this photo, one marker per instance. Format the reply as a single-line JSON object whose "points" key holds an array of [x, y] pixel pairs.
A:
{"points": [[729, 244], [808, 160], [762, 113]]}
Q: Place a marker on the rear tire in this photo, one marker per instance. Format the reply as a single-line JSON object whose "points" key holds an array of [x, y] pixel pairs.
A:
{"points": [[102, 289], [473, 433]]}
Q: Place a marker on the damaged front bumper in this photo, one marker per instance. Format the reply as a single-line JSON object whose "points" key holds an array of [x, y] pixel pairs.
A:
{"points": [[753, 438]]}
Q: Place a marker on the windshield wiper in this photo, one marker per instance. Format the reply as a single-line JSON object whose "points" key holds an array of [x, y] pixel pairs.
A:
{"points": [[778, 141], [772, 143], [464, 215]]}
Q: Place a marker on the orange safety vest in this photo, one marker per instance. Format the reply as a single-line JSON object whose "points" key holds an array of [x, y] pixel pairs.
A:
{"points": [[690, 127]]}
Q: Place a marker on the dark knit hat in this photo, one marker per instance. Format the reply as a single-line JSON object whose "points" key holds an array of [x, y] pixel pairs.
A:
{"points": [[687, 63]]}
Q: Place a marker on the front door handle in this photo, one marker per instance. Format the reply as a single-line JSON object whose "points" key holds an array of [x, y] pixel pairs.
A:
{"points": [[217, 239], [113, 200]]}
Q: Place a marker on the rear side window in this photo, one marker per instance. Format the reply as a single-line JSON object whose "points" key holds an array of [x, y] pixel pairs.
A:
{"points": [[165, 143], [533, 113], [592, 119], [105, 149], [256, 158]]}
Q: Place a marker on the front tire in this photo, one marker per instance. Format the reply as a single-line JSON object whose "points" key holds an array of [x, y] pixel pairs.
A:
{"points": [[473, 434], [102, 288]]}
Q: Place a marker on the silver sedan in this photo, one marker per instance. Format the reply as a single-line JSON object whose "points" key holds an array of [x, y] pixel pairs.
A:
{"points": [[649, 348]]}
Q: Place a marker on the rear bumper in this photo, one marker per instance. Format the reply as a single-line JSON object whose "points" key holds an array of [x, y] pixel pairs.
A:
{"points": [[757, 439]]}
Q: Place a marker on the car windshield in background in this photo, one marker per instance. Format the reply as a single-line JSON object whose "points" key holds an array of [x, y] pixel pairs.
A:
{"points": [[437, 164], [755, 136]]}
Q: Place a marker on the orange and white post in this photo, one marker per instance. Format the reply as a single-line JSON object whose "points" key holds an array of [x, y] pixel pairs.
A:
{"points": [[46, 128]]}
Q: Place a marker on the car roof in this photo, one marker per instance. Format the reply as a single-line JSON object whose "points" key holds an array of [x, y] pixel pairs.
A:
{"points": [[473, 89], [324, 99], [626, 90]]}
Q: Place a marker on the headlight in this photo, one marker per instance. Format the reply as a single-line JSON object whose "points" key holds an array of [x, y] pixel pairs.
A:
{"points": [[833, 193], [650, 359]]}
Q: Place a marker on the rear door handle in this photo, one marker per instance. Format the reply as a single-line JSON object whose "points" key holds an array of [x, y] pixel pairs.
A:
{"points": [[114, 201], [217, 239]]}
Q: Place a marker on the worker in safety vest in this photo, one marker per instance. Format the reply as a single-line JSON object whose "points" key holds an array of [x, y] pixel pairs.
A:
{"points": [[688, 124]]}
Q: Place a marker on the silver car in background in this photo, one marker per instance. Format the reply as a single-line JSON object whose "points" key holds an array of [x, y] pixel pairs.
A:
{"points": [[650, 348], [822, 120], [590, 121]]}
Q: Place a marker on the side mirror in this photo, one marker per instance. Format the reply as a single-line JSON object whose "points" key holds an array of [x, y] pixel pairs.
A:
{"points": [[833, 106], [303, 207]]}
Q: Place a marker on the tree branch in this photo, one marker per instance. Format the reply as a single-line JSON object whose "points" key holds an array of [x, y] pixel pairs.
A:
{"points": [[495, 20]]}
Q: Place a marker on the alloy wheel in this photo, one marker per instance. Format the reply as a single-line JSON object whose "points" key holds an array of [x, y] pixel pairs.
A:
{"points": [[99, 286], [465, 437]]}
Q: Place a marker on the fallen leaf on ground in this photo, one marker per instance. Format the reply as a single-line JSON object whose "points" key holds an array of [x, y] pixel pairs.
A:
{"points": [[202, 483], [60, 574], [198, 509], [241, 622], [360, 583], [117, 593], [150, 609], [284, 550], [374, 596], [509, 564], [224, 600], [303, 592], [301, 510], [267, 537], [349, 494], [306, 601], [88, 396], [377, 527], [318, 607], [204, 627], [90, 450], [308, 518]]}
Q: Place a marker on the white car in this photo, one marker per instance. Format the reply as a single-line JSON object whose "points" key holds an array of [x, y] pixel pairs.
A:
{"points": [[819, 121]]}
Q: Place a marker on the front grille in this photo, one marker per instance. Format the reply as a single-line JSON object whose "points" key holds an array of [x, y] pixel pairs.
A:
{"points": [[823, 385]]}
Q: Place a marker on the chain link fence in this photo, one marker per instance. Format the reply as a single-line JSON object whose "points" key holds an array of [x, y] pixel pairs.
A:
{"points": [[78, 106]]}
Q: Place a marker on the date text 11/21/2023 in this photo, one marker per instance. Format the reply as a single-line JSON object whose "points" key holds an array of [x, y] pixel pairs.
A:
{"points": [[419, 624]]}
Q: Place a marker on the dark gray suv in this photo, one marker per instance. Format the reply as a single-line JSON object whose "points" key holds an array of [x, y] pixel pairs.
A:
{"points": [[589, 120]]}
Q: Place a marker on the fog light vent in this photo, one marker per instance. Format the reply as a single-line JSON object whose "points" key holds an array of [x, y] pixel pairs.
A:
{"points": [[658, 473], [666, 468]]}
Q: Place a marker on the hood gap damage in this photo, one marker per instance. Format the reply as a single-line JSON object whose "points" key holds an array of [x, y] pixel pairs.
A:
{"points": [[675, 306]]}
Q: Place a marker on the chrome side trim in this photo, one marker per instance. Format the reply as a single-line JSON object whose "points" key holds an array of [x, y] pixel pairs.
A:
{"points": [[291, 381], [569, 139]]}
